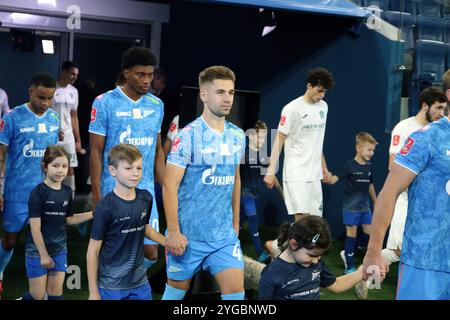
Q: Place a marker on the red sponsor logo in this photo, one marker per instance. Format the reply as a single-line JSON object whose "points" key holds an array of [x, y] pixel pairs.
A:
{"points": [[283, 120], [396, 140], [407, 147], [2, 125], [173, 126], [175, 144], [93, 114]]}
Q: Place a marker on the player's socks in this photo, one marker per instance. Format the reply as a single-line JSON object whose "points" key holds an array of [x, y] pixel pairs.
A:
{"points": [[349, 248], [362, 240], [61, 297], [148, 263], [233, 296], [27, 296], [253, 225], [390, 256], [172, 293], [5, 257]]}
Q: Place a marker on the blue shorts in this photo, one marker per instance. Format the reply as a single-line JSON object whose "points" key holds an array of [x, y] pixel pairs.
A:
{"points": [[353, 218], [214, 256], [420, 284], [143, 292], [248, 206], [35, 270], [15, 215], [154, 222]]}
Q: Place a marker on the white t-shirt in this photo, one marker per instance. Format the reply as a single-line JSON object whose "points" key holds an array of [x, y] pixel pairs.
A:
{"points": [[304, 125], [4, 106], [64, 101], [401, 132], [173, 129]]}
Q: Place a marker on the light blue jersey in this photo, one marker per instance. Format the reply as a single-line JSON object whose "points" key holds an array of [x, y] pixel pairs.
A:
{"points": [[205, 193], [122, 120], [426, 242], [27, 135]]}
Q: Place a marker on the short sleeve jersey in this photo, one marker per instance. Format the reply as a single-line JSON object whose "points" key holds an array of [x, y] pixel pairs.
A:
{"points": [[304, 125], [205, 194], [282, 280], [426, 241], [121, 120], [356, 193], [52, 207], [401, 132], [4, 105], [27, 135], [65, 100], [120, 224]]}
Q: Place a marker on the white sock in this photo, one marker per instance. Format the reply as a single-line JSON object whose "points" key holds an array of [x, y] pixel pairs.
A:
{"points": [[390, 256], [70, 182]]}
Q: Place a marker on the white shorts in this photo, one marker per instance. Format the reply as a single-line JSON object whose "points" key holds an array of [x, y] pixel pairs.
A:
{"points": [[395, 238], [303, 197], [70, 148]]}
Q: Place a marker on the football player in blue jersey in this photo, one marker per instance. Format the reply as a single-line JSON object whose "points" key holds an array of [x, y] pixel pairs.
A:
{"points": [[25, 133], [131, 115], [423, 166], [115, 257], [202, 193]]}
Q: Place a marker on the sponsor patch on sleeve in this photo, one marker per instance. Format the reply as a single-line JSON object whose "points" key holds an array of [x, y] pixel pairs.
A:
{"points": [[283, 120], [2, 125], [407, 146], [175, 144], [173, 126], [396, 140], [93, 114]]}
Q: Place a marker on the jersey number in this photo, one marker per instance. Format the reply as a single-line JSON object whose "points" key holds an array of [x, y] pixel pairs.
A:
{"points": [[237, 251]]}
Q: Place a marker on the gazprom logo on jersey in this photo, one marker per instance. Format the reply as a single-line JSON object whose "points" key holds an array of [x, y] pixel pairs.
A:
{"points": [[125, 137], [209, 178], [28, 151]]}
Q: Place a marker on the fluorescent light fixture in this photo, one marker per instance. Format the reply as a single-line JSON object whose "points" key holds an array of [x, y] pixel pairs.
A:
{"points": [[47, 2], [48, 47]]}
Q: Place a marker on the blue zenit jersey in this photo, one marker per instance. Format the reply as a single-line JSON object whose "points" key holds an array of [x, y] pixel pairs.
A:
{"points": [[426, 242], [122, 120], [27, 135], [205, 193]]}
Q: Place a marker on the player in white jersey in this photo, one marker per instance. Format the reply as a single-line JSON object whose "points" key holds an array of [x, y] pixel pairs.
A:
{"points": [[65, 103], [432, 104], [302, 131]]}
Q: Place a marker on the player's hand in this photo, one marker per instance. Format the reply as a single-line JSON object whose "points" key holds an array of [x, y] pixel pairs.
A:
{"points": [[94, 296], [1, 202], [47, 262], [79, 149], [269, 180], [374, 265], [176, 242], [327, 175]]}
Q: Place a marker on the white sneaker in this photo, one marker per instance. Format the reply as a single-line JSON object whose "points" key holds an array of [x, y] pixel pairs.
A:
{"points": [[342, 254]]}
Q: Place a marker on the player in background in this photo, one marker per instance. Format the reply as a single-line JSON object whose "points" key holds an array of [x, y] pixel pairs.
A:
{"points": [[25, 133], [131, 115], [432, 104]]}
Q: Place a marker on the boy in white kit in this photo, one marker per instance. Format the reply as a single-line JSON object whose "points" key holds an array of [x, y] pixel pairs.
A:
{"points": [[302, 130], [432, 104], [65, 103]]}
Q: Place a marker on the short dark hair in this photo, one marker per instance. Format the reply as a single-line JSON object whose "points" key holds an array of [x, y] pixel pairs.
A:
{"points": [[51, 153], [320, 77], [138, 56], [431, 95], [43, 79], [67, 65]]}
